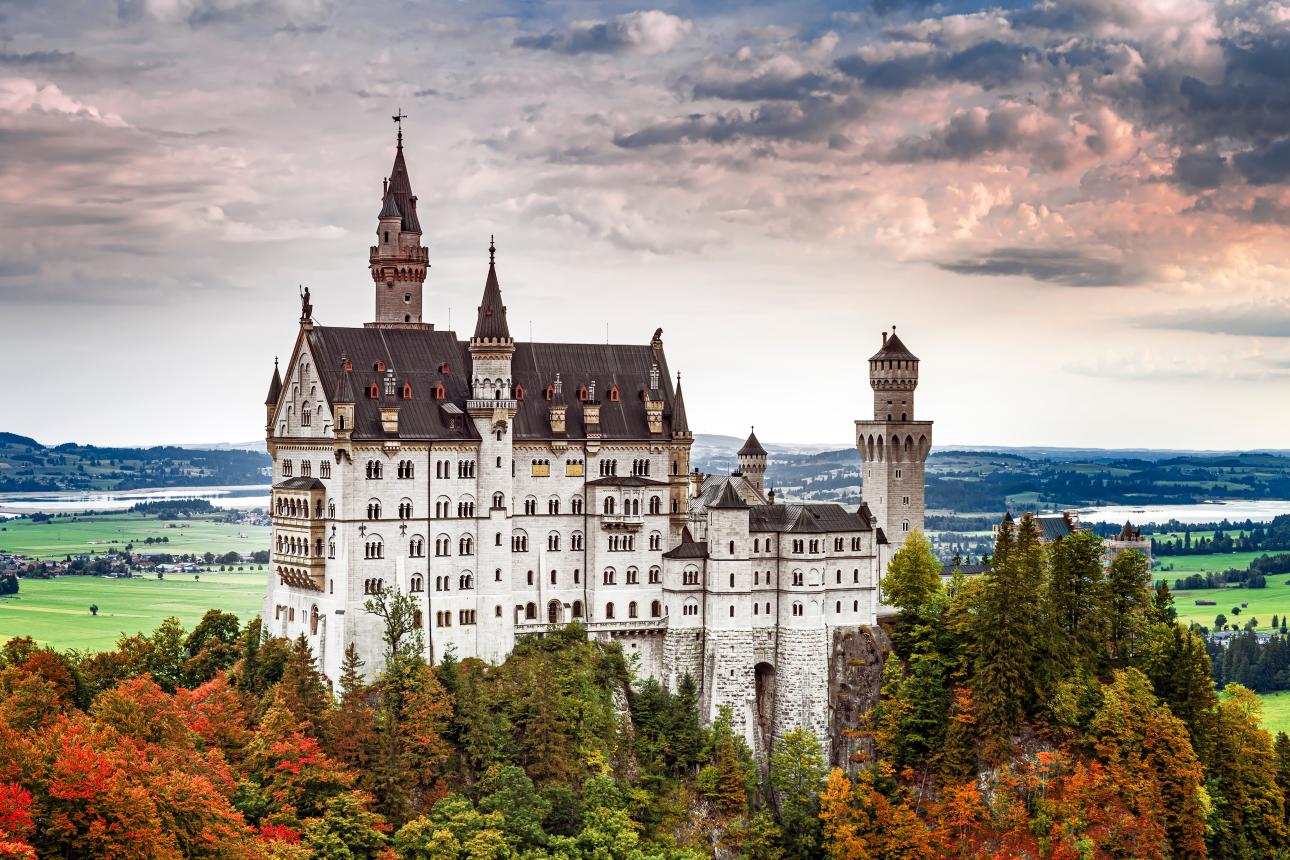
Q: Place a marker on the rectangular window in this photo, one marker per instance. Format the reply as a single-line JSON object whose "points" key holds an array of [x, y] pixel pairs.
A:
{"points": [[906, 499], [541, 469], [573, 469], [898, 473]]}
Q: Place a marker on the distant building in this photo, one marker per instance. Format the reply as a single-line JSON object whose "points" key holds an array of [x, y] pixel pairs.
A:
{"points": [[1129, 538]]}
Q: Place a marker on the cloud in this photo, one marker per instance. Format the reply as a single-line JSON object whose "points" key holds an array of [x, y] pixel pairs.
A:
{"points": [[21, 95], [979, 131], [812, 120], [1062, 266], [1253, 319], [648, 32], [1266, 165], [1200, 170], [197, 13]]}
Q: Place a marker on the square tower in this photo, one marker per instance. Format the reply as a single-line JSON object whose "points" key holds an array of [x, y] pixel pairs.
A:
{"points": [[894, 446]]}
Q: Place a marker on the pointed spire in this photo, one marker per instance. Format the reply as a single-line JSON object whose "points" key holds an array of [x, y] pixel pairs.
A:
{"points": [[400, 190], [679, 422], [275, 385], [390, 209], [491, 322], [893, 348], [752, 448], [729, 498]]}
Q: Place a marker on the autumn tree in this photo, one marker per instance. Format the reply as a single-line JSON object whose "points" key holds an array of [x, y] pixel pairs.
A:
{"points": [[1249, 806], [913, 574]]}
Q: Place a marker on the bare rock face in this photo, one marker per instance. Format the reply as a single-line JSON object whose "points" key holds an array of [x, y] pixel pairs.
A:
{"points": [[855, 680]]}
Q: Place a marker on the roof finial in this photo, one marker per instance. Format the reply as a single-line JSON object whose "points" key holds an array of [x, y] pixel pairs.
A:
{"points": [[275, 362], [398, 119], [492, 249]]}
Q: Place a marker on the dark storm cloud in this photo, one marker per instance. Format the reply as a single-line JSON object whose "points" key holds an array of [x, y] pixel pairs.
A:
{"points": [[1069, 268], [1200, 170], [972, 134], [810, 120], [771, 87], [989, 64], [1266, 165], [53, 59]]}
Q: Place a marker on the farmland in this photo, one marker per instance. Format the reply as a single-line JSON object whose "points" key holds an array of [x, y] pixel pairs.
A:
{"points": [[56, 612], [99, 533], [1263, 602]]}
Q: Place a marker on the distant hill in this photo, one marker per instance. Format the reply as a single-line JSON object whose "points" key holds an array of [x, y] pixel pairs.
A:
{"points": [[26, 465]]}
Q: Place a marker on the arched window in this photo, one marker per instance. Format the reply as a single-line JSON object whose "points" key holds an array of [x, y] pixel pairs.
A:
{"points": [[553, 542], [530, 612], [577, 609], [466, 582], [732, 547], [609, 576], [631, 609], [609, 610], [466, 546], [655, 505], [797, 608], [417, 584], [553, 612], [373, 510], [655, 575], [499, 501], [655, 609], [609, 506]]}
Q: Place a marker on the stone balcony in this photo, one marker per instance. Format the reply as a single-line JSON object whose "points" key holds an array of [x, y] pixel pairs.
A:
{"points": [[625, 625]]}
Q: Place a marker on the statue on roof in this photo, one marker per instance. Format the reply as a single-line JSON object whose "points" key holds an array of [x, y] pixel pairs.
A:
{"points": [[306, 306]]}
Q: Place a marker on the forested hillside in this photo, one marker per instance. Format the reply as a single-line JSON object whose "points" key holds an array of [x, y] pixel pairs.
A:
{"points": [[1087, 726], [28, 466]]}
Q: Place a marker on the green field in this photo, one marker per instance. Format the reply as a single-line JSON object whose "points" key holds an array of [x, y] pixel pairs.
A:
{"points": [[1184, 565], [1276, 711], [98, 533], [56, 612]]}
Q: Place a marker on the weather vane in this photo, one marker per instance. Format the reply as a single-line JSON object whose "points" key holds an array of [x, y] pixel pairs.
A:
{"points": [[398, 119]]}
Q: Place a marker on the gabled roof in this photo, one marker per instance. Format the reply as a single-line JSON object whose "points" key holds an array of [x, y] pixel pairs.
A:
{"points": [[808, 518], [344, 391], [491, 322], [419, 356], [400, 191], [893, 349], [965, 569], [752, 448], [275, 386], [390, 209]]}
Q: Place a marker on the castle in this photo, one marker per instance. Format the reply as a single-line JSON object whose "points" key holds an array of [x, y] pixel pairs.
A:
{"points": [[514, 487]]}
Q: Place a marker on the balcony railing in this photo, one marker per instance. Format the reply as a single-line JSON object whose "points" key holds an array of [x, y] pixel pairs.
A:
{"points": [[525, 628], [490, 404]]}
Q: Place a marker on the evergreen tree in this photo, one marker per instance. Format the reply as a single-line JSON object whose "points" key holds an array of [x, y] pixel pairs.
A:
{"points": [[1075, 640], [1128, 597], [1248, 802], [302, 689], [349, 725], [913, 575], [796, 775]]}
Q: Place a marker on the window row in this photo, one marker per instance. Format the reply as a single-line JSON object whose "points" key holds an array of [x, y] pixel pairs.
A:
{"points": [[465, 617], [632, 576], [306, 468], [298, 508]]}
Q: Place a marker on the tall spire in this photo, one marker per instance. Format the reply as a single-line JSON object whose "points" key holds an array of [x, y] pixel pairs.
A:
{"points": [[679, 422], [491, 322], [400, 188], [275, 385]]}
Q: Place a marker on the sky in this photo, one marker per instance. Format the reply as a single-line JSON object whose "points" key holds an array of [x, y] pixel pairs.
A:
{"points": [[1075, 213]]}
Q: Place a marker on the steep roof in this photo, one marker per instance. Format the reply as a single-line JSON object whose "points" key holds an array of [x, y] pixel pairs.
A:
{"points": [[752, 448], [808, 518], [728, 499], [688, 547], [679, 422], [491, 322], [389, 209], [275, 386], [418, 355], [400, 192], [300, 483], [893, 349], [344, 391]]}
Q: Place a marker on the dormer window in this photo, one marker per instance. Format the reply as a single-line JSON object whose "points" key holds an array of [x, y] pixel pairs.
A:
{"points": [[349, 365], [613, 394], [582, 394], [438, 391], [379, 367], [407, 391], [550, 392], [374, 391], [443, 368], [519, 392]]}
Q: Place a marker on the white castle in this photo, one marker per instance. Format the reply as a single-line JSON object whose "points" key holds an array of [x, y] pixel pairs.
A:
{"points": [[512, 488]]}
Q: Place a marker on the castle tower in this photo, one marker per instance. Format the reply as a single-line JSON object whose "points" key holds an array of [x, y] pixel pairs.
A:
{"points": [[492, 408], [894, 446], [398, 260], [752, 462]]}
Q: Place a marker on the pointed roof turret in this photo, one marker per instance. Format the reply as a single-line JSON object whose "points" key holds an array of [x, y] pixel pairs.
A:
{"points": [[491, 322], [679, 422], [729, 498], [893, 349], [752, 448], [344, 390], [390, 209], [400, 191], [275, 386]]}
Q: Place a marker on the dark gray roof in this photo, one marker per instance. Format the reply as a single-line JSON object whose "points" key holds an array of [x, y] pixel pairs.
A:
{"points": [[729, 498], [688, 547], [752, 448], [626, 481], [491, 322], [1053, 527], [893, 349], [344, 391], [390, 209], [275, 386], [812, 517], [679, 422], [1129, 532], [301, 483], [417, 356], [968, 569], [400, 189]]}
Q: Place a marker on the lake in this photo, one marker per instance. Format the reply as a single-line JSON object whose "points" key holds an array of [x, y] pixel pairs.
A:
{"points": [[1236, 510], [249, 496]]}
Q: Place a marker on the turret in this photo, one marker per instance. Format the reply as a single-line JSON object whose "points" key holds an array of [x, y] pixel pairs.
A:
{"points": [[342, 401], [275, 391], [752, 462], [398, 260], [893, 374]]}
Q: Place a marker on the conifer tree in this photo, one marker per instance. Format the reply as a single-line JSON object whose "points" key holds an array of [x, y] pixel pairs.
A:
{"points": [[1075, 638], [1281, 752], [796, 775], [1248, 802], [1180, 673], [1127, 599], [302, 690], [348, 731]]}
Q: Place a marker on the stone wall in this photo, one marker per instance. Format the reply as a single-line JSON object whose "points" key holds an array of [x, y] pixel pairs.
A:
{"points": [[801, 696], [855, 679]]}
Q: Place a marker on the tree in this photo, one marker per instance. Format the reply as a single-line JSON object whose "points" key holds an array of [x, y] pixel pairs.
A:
{"points": [[1248, 803], [94, 609], [796, 775], [350, 726], [508, 791], [402, 634], [913, 574], [1128, 596], [1220, 621], [1075, 640]]}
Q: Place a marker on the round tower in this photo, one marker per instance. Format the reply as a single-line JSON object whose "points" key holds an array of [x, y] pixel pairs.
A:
{"points": [[398, 261], [752, 462], [893, 374]]}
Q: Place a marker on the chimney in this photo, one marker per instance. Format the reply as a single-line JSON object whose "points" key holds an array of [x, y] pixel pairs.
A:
{"points": [[884, 337], [770, 496], [390, 420]]}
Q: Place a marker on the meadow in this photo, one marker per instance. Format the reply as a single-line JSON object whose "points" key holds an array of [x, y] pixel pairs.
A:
{"points": [[1263, 602], [56, 611], [1276, 711], [99, 533]]}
